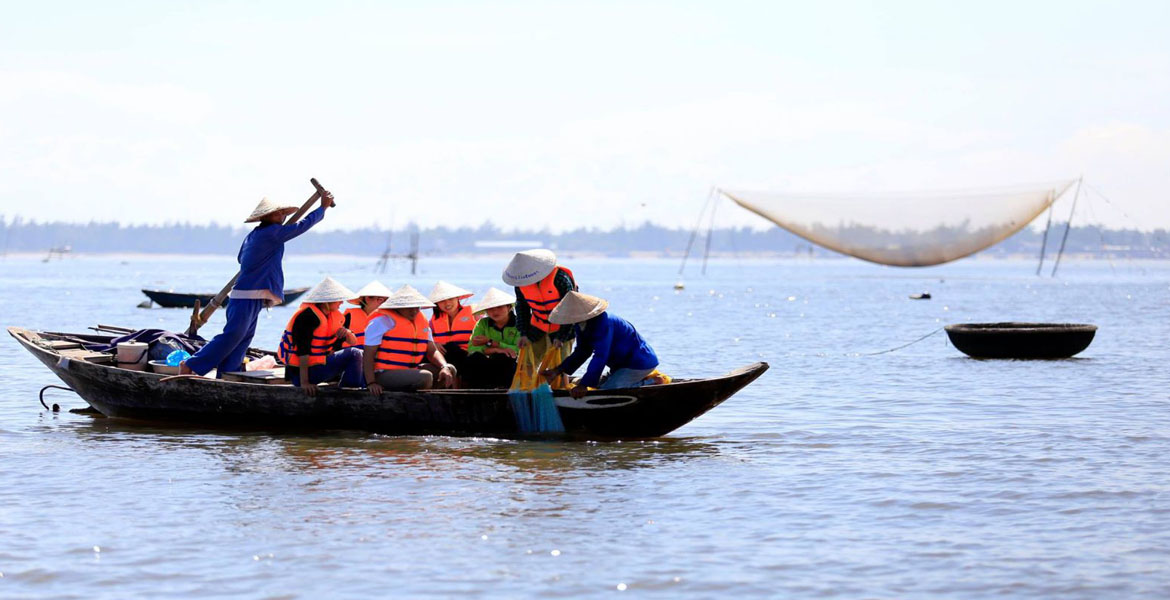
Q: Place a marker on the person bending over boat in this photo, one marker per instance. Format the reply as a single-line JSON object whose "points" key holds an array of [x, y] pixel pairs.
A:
{"points": [[451, 322], [491, 356], [398, 340], [540, 285], [308, 340], [260, 285], [368, 300], [611, 340]]}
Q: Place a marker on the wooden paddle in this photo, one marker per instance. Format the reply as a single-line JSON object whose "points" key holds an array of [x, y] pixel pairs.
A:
{"points": [[200, 318]]}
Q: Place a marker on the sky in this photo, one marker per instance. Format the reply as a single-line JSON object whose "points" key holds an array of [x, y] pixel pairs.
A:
{"points": [[560, 115]]}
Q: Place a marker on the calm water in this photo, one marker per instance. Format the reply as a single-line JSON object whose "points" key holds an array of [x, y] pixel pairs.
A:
{"points": [[912, 474]]}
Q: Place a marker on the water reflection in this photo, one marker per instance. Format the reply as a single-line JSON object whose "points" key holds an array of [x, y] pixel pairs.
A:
{"points": [[249, 450]]}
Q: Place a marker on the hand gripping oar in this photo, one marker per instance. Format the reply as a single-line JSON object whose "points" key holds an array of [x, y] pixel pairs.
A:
{"points": [[199, 319]]}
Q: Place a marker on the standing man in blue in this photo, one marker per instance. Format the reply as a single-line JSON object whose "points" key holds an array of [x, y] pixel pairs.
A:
{"points": [[611, 340], [261, 285]]}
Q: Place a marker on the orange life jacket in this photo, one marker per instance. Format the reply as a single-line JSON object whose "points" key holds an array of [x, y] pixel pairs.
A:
{"points": [[358, 319], [405, 345], [323, 337], [542, 297], [457, 330]]}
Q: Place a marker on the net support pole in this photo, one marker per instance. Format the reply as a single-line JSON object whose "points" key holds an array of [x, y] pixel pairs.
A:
{"points": [[1068, 227], [1044, 240], [695, 231], [710, 229]]}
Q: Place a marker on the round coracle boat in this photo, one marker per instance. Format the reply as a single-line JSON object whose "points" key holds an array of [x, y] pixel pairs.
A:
{"points": [[1021, 340]]}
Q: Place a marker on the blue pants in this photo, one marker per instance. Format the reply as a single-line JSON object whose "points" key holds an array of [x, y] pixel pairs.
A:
{"points": [[625, 378], [347, 362], [225, 352]]}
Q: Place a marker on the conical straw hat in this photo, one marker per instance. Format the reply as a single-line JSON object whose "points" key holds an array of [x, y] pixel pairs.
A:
{"points": [[329, 290], [267, 207], [576, 307], [407, 297], [529, 266], [493, 298], [446, 291], [373, 288]]}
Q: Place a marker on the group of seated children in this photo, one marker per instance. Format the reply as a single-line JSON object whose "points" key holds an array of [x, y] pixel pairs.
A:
{"points": [[386, 342]]}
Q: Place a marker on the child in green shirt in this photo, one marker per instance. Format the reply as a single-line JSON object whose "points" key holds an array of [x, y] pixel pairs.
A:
{"points": [[491, 355]]}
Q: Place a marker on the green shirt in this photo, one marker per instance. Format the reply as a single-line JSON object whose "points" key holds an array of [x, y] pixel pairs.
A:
{"points": [[508, 337]]}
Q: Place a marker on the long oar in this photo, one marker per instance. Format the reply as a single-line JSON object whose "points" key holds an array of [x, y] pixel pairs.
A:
{"points": [[199, 319]]}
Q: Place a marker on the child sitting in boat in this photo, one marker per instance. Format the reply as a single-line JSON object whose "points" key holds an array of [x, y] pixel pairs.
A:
{"points": [[491, 356], [398, 341], [451, 322], [307, 344], [610, 339], [260, 285], [368, 300]]}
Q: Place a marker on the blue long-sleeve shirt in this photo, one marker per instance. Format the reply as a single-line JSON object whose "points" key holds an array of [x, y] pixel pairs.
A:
{"points": [[613, 342], [262, 252]]}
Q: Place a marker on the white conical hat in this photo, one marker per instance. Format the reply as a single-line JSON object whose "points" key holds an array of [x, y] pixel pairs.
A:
{"points": [[267, 207], [407, 297], [576, 307], [446, 291], [529, 266], [373, 288], [493, 298], [329, 290]]}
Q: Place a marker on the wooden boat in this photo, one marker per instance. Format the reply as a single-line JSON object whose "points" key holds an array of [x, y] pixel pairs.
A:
{"points": [[636, 413], [1021, 340], [180, 300]]}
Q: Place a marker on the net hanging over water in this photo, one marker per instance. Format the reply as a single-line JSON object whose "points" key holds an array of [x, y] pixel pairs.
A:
{"points": [[909, 229]]}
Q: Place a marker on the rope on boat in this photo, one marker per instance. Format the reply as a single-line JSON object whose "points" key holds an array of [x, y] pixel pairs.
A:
{"points": [[55, 408], [903, 345]]}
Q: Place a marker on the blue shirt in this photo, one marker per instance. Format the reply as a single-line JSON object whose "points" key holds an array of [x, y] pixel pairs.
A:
{"points": [[263, 250], [613, 342]]}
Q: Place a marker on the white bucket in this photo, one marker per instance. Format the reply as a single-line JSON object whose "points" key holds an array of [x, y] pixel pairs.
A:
{"points": [[132, 355]]}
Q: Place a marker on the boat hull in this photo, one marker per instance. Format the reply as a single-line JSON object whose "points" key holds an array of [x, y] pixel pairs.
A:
{"points": [[637, 413], [1021, 340], [180, 300]]}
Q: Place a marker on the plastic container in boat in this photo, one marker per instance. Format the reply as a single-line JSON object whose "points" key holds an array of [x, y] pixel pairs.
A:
{"points": [[132, 355]]}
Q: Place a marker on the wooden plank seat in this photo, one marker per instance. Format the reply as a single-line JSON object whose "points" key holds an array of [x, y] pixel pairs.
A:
{"points": [[274, 376]]}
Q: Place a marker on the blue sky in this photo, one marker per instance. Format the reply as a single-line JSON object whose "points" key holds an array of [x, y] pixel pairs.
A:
{"points": [[556, 114]]}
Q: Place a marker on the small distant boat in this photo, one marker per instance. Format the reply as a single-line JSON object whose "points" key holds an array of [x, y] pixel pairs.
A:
{"points": [[1021, 340], [922, 296], [168, 299]]}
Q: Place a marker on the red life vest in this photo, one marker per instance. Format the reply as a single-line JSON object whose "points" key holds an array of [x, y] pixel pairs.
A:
{"points": [[405, 345], [323, 337], [458, 329], [542, 297], [358, 319]]}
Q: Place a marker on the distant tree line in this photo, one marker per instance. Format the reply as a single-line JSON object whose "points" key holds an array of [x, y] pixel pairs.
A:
{"points": [[19, 235]]}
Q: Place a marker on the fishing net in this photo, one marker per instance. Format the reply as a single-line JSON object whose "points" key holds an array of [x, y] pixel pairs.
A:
{"points": [[529, 366], [531, 396], [914, 229]]}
